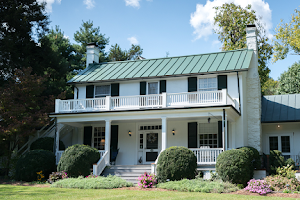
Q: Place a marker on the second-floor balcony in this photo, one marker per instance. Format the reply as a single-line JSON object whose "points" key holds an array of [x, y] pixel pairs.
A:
{"points": [[153, 101]]}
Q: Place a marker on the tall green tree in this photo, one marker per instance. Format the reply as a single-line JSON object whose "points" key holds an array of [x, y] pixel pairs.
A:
{"points": [[270, 87], [87, 34], [232, 20], [22, 22], [117, 54], [287, 37], [289, 81]]}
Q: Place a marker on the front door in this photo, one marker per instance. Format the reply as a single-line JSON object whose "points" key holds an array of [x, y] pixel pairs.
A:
{"points": [[149, 146]]}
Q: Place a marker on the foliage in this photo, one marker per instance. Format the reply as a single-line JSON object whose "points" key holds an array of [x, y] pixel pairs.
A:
{"points": [[286, 171], [235, 166], [99, 182], [46, 143], [55, 176], [287, 37], [270, 87], [147, 180], [253, 155], [275, 160], [91, 176], [176, 163], [40, 176], [258, 186], [279, 183], [289, 81], [77, 160], [88, 34], [232, 21], [290, 162], [198, 185], [35, 161], [117, 54], [22, 21]]}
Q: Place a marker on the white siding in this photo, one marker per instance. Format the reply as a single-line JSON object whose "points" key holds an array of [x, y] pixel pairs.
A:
{"points": [[177, 85], [129, 88], [82, 91]]}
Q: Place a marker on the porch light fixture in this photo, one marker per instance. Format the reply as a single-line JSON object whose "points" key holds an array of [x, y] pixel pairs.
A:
{"points": [[129, 133], [278, 125], [173, 132]]}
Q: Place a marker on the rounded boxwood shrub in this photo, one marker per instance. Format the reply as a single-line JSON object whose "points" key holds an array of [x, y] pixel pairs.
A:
{"points": [[176, 163], [78, 159], [35, 161], [253, 156], [46, 143], [234, 166], [276, 160]]}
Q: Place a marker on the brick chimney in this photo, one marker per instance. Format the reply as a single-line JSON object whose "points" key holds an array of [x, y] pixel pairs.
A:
{"points": [[92, 53]]}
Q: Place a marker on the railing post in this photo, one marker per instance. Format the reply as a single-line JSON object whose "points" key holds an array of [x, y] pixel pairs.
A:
{"points": [[57, 102], [95, 169], [224, 96], [164, 99], [107, 102]]}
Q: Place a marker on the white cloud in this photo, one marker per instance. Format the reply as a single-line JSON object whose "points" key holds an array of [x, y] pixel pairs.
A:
{"points": [[133, 3], [216, 42], [133, 40], [202, 20], [49, 4], [89, 3], [66, 37]]}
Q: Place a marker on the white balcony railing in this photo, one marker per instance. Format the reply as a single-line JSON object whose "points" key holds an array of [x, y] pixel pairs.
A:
{"points": [[207, 156], [59, 153], [187, 99]]}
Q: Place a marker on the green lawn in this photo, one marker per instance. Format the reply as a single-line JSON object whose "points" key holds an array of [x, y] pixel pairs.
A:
{"points": [[27, 192]]}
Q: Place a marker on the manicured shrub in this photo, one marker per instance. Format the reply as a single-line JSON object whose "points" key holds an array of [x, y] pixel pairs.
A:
{"points": [[55, 176], [46, 143], [290, 162], [258, 186], [176, 163], [77, 160], [235, 166], [147, 180], [253, 156], [276, 160], [99, 182], [286, 171], [35, 161]]}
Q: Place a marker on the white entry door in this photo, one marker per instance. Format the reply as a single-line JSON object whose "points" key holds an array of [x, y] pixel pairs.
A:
{"points": [[149, 146]]}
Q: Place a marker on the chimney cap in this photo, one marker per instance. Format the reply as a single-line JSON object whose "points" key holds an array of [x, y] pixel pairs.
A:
{"points": [[251, 25], [92, 43]]}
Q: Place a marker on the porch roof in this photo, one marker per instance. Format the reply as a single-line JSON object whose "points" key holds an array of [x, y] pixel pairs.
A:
{"points": [[280, 108], [237, 60]]}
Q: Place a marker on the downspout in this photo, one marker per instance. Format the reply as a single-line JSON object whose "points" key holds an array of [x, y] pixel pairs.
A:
{"points": [[238, 82]]}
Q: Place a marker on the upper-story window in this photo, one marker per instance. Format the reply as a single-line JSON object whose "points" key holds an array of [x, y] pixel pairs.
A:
{"points": [[153, 88], [208, 84], [102, 91]]}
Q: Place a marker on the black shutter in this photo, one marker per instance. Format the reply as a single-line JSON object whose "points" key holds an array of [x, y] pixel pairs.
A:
{"points": [[114, 89], [192, 135], [192, 84], [222, 82], [87, 135], [142, 88], [162, 86], [220, 138], [114, 137], [89, 91]]}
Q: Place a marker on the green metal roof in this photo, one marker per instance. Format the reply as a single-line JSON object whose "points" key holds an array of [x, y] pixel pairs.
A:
{"points": [[280, 108], [161, 67]]}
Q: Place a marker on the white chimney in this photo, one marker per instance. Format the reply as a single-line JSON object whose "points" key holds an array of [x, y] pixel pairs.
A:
{"points": [[251, 35], [92, 54]]}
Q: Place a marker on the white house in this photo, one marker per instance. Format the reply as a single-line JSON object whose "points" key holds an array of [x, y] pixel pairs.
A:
{"points": [[208, 102]]}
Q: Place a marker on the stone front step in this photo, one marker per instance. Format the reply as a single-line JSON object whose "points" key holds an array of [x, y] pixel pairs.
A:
{"points": [[127, 172]]}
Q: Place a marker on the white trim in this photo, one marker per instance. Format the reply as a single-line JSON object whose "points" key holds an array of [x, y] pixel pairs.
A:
{"points": [[279, 142]]}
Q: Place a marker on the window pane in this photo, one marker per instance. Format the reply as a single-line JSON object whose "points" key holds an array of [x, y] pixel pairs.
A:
{"points": [[152, 141], [285, 144], [99, 138], [273, 143], [102, 91], [153, 88], [208, 84]]}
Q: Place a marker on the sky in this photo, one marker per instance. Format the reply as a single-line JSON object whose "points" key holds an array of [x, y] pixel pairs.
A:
{"points": [[165, 27]]}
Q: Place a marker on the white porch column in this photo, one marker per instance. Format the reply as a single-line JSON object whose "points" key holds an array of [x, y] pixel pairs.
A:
{"points": [[163, 133], [107, 138], [57, 139]]}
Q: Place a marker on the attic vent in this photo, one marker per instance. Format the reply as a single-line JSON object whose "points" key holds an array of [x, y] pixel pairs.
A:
{"points": [[155, 127]]}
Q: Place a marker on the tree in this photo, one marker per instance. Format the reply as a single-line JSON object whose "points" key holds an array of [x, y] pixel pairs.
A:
{"points": [[88, 34], [287, 37], [22, 22], [289, 81], [232, 21], [270, 87], [23, 109], [117, 54]]}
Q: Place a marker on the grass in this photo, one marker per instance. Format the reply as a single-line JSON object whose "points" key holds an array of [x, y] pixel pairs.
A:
{"points": [[29, 192], [199, 185]]}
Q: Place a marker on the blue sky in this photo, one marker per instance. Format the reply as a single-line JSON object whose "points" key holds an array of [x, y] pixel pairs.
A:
{"points": [[178, 27]]}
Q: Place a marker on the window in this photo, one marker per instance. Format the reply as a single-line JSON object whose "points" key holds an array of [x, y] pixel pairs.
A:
{"points": [[153, 88], [285, 144], [99, 138], [102, 91], [208, 135], [208, 84], [281, 143], [273, 143]]}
